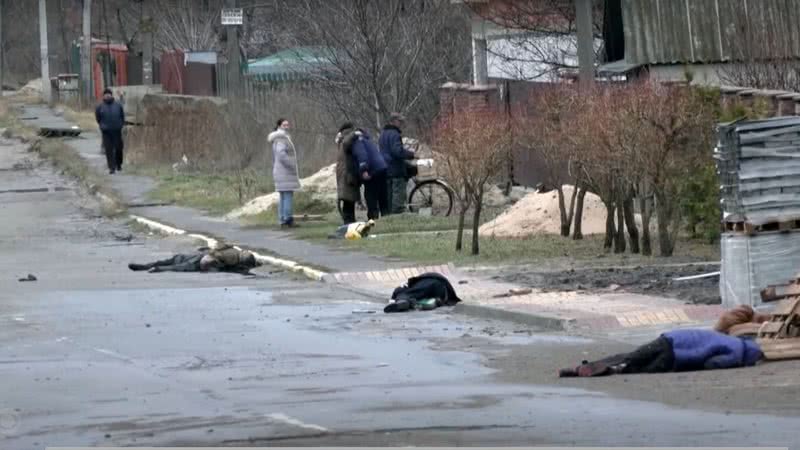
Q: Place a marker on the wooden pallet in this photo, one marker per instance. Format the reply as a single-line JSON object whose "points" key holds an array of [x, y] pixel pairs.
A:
{"points": [[751, 229], [779, 349]]}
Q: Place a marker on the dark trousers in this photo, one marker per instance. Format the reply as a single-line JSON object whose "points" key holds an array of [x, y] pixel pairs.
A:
{"points": [[177, 263], [348, 211], [397, 195], [654, 357], [377, 196], [112, 144]]}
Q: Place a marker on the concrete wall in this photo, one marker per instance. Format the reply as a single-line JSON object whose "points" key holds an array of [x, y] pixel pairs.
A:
{"points": [[131, 97]]}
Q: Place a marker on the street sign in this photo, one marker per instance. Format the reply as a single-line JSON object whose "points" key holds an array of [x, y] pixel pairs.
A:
{"points": [[232, 16]]}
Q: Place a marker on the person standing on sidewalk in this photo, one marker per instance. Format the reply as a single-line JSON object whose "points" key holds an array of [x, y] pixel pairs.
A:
{"points": [[284, 171], [110, 117], [372, 169], [348, 187], [397, 157]]}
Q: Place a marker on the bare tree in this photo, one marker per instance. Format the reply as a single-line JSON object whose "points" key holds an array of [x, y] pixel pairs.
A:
{"points": [[473, 147], [372, 58]]}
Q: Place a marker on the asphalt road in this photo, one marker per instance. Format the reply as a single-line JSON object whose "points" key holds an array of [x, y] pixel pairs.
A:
{"points": [[93, 354]]}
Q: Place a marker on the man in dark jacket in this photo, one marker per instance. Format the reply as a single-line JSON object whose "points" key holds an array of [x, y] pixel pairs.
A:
{"points": [[111, 118], [348, 187], [397, 157], [372, 169]]}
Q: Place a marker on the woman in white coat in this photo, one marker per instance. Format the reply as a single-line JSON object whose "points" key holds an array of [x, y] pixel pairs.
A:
{"points": [[284, 171]]}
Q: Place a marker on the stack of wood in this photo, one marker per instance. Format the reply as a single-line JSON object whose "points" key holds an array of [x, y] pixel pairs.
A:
{"points": [[779, 337]]}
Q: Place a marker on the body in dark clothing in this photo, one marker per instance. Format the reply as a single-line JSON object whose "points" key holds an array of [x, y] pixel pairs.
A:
{"points": [[223, 259], [397, 157], [372, 169], [420, 288], [110, 118]]}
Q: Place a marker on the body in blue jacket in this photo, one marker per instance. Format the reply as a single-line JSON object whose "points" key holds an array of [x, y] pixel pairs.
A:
{"points": [[397, 157], [676, 351], [372, 170]]}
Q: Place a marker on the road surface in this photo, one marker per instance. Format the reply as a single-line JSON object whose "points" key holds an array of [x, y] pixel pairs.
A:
{"points": [[93, 354]]}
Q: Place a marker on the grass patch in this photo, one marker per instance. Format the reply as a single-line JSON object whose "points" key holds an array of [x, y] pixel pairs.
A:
{"points": [[439, 248], [70, 163], [217, 194], [82, 118]]}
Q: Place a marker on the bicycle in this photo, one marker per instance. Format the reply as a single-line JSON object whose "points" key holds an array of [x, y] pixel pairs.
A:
{"points": [[427, 196]]}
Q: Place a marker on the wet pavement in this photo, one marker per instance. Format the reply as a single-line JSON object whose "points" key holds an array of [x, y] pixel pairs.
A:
{"points": [[93, 354]]}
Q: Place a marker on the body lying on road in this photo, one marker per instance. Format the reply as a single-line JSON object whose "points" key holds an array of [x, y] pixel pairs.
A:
{"points": [[221, 259], [676, 351]]}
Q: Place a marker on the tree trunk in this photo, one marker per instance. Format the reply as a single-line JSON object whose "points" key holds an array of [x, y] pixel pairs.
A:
{"points": [[571, 209], [578, 229], [476, 223], [666, 244], [619, 237], [630, 222], [562, 209], [462, 213], [610, 227], [646, 207]]}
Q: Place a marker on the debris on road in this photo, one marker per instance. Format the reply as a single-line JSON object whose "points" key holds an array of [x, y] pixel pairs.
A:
{"points": [[364, 311], [697, 277], [514, 293], [353, 231], [30, 277]]}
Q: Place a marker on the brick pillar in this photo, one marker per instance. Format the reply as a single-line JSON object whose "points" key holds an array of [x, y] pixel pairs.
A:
{"points": [[483, 99]]}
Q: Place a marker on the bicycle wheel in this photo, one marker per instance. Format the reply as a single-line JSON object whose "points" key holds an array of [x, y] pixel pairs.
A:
{"points": [[431, 197]]}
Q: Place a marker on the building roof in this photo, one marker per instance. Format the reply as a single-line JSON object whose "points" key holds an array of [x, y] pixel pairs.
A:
{"points": [[706, 31], [291, 64]]}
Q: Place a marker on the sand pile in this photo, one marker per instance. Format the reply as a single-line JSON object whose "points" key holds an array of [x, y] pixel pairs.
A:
{"points": [[34, 87], [537, 213], [322, 185]]}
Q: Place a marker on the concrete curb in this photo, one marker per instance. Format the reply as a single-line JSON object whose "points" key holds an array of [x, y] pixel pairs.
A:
{"points": [[308, 272]]}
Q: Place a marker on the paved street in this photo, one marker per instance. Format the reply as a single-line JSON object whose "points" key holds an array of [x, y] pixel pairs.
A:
{"points": [[93, 354]]}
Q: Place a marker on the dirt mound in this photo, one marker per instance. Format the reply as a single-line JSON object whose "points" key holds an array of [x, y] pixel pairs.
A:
{"points": [[322, 185], [34, 87], [538, 213]]}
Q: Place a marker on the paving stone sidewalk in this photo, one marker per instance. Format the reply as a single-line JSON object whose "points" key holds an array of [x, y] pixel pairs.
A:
{"points": [[570, 311]]}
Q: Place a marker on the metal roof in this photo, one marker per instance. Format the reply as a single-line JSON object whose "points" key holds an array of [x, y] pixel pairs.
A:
{"points": [[704, 31], [291, 64]]}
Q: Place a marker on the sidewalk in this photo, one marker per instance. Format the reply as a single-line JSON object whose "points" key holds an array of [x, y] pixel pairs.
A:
{"points": [[377, 277]]}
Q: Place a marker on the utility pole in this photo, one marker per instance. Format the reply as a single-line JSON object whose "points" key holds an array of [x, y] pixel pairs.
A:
{"points": [[147, 50], [45, 61], [583, 14], [2, 50], [234, 57], [86, 55]]}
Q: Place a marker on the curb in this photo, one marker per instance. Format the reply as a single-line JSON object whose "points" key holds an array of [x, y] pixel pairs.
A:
{"points": [[544, 321], [309, 272]]}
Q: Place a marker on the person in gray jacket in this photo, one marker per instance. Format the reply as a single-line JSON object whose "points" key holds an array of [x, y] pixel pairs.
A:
{"points": [[284, 171]]}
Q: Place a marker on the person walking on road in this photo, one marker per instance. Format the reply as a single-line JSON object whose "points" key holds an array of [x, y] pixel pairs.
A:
{"points": [[372, 170], [348, 187], [397, 158], [284, 171], [110, 117]]}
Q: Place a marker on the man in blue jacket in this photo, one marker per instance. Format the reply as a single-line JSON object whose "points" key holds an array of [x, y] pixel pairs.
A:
{"points": [[397, 157], [372, 170], [111, 118], [677, 351]]}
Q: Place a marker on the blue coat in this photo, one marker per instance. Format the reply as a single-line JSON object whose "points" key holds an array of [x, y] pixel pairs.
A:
{"points": [[110, 116], [368, 157], [707, 349], [391, 144]]}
